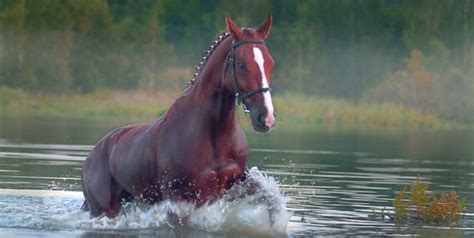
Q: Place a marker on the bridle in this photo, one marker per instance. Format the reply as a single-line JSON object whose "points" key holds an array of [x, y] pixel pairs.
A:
{"points": [[230, 59]]}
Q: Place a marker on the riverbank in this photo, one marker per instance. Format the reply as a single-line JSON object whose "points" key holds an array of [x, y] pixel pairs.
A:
{"points": [[294, 110]]}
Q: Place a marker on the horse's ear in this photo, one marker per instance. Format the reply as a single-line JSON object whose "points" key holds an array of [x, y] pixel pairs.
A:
{"points": [[264, 30], [233, 29]]}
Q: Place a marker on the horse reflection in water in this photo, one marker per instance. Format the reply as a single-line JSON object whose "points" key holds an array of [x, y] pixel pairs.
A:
{"points": [[196, 150]]}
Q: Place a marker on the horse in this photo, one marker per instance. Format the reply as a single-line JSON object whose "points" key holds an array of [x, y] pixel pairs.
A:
{"points": [[196, 150]]}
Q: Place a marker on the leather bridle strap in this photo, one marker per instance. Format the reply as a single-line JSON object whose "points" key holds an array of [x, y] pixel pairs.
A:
{"points": [[253, 92], [230, 59]]}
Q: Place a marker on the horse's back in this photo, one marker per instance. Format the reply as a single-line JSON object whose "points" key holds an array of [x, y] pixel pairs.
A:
{"points": [[104, 146]]}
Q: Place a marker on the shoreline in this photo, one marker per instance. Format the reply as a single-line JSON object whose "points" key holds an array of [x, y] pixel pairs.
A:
{"points": [[293, 110]]}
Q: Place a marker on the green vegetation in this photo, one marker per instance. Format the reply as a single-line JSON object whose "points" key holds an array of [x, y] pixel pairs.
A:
{"points": [[413, 54], [123, 105], [422, 206], [293, 110]]}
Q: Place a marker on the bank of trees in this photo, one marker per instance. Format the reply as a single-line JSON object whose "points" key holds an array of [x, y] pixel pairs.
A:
{"points": [[353, 49]]}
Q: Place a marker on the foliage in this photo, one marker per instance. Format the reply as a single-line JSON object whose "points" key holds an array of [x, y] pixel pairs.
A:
{"points": [[446, 93], [338, 48], [61, 46], [422, 206]]}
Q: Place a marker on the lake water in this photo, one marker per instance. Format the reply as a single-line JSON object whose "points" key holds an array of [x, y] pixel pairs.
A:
{"points": [[331, 182]]}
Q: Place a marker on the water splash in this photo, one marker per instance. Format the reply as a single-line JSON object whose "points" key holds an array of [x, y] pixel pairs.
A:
{"points": [[262, 212]]}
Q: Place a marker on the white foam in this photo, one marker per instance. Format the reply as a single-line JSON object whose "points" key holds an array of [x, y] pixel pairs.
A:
{"points": [[263, 212]]}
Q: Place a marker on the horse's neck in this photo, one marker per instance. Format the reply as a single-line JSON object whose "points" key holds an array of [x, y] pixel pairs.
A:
{"points": [[210, 79], [213, 104], [223, 113]]}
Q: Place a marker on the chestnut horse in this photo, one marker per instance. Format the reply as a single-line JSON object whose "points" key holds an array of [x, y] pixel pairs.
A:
{"points": [[196, 150]]}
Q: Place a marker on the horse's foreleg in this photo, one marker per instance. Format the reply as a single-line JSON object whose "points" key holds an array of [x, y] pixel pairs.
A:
{"points": [[229, 172], [207, 187]]}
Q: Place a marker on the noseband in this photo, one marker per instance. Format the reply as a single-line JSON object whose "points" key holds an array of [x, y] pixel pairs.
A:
{"points": [[230, 60]]}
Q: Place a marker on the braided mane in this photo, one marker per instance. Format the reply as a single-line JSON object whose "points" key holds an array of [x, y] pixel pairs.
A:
{"points": [[198, 68]]}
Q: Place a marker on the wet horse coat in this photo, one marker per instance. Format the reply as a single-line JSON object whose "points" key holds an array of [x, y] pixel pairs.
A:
{"points": [[196, 150]]}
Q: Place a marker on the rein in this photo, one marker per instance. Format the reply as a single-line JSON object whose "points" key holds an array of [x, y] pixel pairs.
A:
{"points": [[230, 59]]}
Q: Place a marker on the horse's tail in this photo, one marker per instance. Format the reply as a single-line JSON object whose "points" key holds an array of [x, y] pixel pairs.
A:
{"points": [[85, 206]]}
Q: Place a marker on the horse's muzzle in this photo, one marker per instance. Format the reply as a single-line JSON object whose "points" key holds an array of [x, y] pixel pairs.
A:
{"points": [[262, 122]]}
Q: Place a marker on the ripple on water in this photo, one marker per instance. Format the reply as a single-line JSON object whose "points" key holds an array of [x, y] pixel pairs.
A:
{"points": [[330, 193], [264, 212]]}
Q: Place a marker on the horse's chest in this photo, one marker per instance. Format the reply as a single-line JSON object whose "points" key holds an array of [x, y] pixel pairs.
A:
{"points": [[209, 155]]}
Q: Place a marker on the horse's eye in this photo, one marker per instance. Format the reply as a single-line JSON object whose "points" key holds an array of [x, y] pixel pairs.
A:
{"points": [[242, 66]]}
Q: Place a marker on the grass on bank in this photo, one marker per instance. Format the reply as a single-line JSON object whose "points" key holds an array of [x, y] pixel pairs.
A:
{"points": [[293, 109]]}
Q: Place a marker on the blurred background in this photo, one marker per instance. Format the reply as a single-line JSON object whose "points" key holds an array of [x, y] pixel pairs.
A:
{"points": [[387, 63], [370, 95]]}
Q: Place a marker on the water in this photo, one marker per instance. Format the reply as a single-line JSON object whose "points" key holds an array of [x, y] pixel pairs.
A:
{"points": [[325, 183]]}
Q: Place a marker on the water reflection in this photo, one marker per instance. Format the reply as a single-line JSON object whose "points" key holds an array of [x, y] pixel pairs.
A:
{"points": [[335, 181]]}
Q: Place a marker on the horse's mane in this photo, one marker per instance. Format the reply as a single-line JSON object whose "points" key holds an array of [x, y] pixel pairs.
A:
{"points": [[207, 54]]}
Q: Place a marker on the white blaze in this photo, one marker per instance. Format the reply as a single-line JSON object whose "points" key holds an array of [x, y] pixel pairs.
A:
{"points": [[267, 97]]}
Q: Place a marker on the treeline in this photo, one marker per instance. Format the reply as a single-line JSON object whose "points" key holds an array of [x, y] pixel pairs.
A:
{"points": [[398, 51]]}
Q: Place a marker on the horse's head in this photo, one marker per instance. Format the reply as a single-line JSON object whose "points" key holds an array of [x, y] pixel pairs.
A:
{"points": [[249, 71]]}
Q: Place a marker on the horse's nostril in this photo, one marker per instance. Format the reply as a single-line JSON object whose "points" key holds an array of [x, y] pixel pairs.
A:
{"points": [[260, 119]]}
